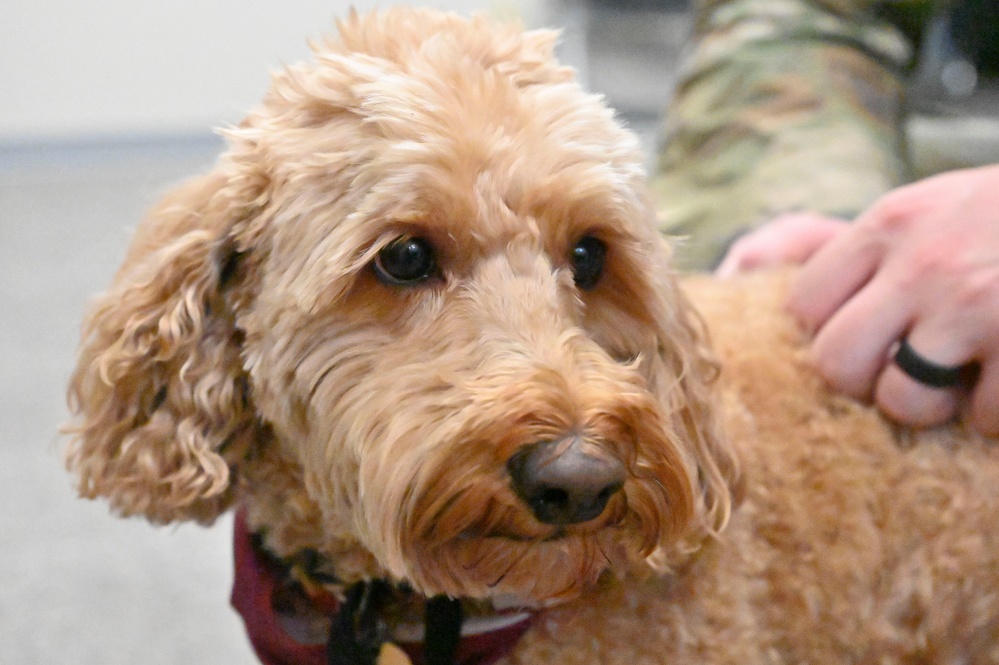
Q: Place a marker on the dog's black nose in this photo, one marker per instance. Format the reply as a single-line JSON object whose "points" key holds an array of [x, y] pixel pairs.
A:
{"points": [[562, 483]]}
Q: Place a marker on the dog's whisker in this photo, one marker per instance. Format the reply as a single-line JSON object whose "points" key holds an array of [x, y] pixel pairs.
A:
{"points": [[486, 553], [526, 549], [600, 548]]}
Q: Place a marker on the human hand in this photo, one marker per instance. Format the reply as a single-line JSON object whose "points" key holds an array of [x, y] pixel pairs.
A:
{"points": [[921, 265], [790, 238]]}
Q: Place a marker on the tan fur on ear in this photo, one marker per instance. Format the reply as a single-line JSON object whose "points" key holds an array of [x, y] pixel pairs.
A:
{"points": [[159, 392], [684, 373]]}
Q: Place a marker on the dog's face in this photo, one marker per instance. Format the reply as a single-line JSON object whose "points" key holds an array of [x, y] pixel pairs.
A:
{"points": [[421, 307]]}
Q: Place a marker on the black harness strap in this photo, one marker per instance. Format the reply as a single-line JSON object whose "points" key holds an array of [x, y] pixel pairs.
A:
{"points": [[357, 633], [442, 631]]}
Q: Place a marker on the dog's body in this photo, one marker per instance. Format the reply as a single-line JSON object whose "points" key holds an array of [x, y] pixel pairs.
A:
{"points": [[419, 324], [856, 542]]}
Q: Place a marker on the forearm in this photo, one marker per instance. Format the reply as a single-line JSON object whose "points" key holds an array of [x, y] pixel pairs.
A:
{"points": [[783, 105]]}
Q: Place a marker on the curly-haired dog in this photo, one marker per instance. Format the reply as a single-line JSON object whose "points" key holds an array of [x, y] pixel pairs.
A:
{"points": [[419, 328]]}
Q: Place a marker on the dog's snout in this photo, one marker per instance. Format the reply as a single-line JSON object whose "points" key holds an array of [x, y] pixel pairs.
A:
{"points": [[562, 483]]}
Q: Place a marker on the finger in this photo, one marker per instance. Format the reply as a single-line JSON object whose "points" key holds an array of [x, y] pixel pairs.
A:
{"points": [[851, 349], [902, 400], [733, 263], [985, 398], [809, 232], [749, 252], [789, 239], [907, 400], [831, 276], [745, 258]]}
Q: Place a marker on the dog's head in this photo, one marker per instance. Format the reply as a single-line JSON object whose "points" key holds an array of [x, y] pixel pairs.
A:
{"points": [[420, 308]]}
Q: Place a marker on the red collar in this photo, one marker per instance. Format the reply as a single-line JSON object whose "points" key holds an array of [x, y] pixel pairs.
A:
{"points": [[259, 579]]}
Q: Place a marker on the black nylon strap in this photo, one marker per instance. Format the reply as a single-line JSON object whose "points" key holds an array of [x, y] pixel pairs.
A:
{"points": [[357, 634], [442, 631]]}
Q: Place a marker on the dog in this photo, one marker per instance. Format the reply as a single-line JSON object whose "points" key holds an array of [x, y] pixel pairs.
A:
{"points": [[418, 328]]}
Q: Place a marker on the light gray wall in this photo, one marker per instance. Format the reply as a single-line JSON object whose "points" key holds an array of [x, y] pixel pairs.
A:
{"points": [[113, 68]]}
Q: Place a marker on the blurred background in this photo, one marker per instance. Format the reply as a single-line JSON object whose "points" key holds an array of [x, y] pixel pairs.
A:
{"points": [[103, 106]]}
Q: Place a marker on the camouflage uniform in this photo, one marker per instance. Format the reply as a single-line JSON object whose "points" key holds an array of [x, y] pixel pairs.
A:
{"points": [[783, 105]]}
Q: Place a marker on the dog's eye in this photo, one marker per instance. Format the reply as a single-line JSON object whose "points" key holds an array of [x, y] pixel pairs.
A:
{"points": [[588, 262], [405, 261]]}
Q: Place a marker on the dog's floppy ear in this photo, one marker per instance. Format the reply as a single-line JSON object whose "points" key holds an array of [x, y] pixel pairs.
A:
{"points": [[684, 371], [161, 401]]}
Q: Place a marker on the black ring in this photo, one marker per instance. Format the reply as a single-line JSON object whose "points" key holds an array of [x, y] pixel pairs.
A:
{"points": [[926, 371]]}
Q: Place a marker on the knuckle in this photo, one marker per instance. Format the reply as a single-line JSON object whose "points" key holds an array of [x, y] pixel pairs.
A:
{"points": [[806, 319], [978, 289], [894, 213], [840, 377], [927, 260]]}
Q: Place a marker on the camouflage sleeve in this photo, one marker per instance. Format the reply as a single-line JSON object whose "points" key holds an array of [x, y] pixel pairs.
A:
{"points": [[782, 105]]}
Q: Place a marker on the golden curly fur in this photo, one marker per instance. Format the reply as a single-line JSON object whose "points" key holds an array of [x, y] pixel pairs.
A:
{"points": [[248, 354]]}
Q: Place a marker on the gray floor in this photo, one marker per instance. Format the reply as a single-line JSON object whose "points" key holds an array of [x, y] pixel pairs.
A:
{"points": [[80, 587]]}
